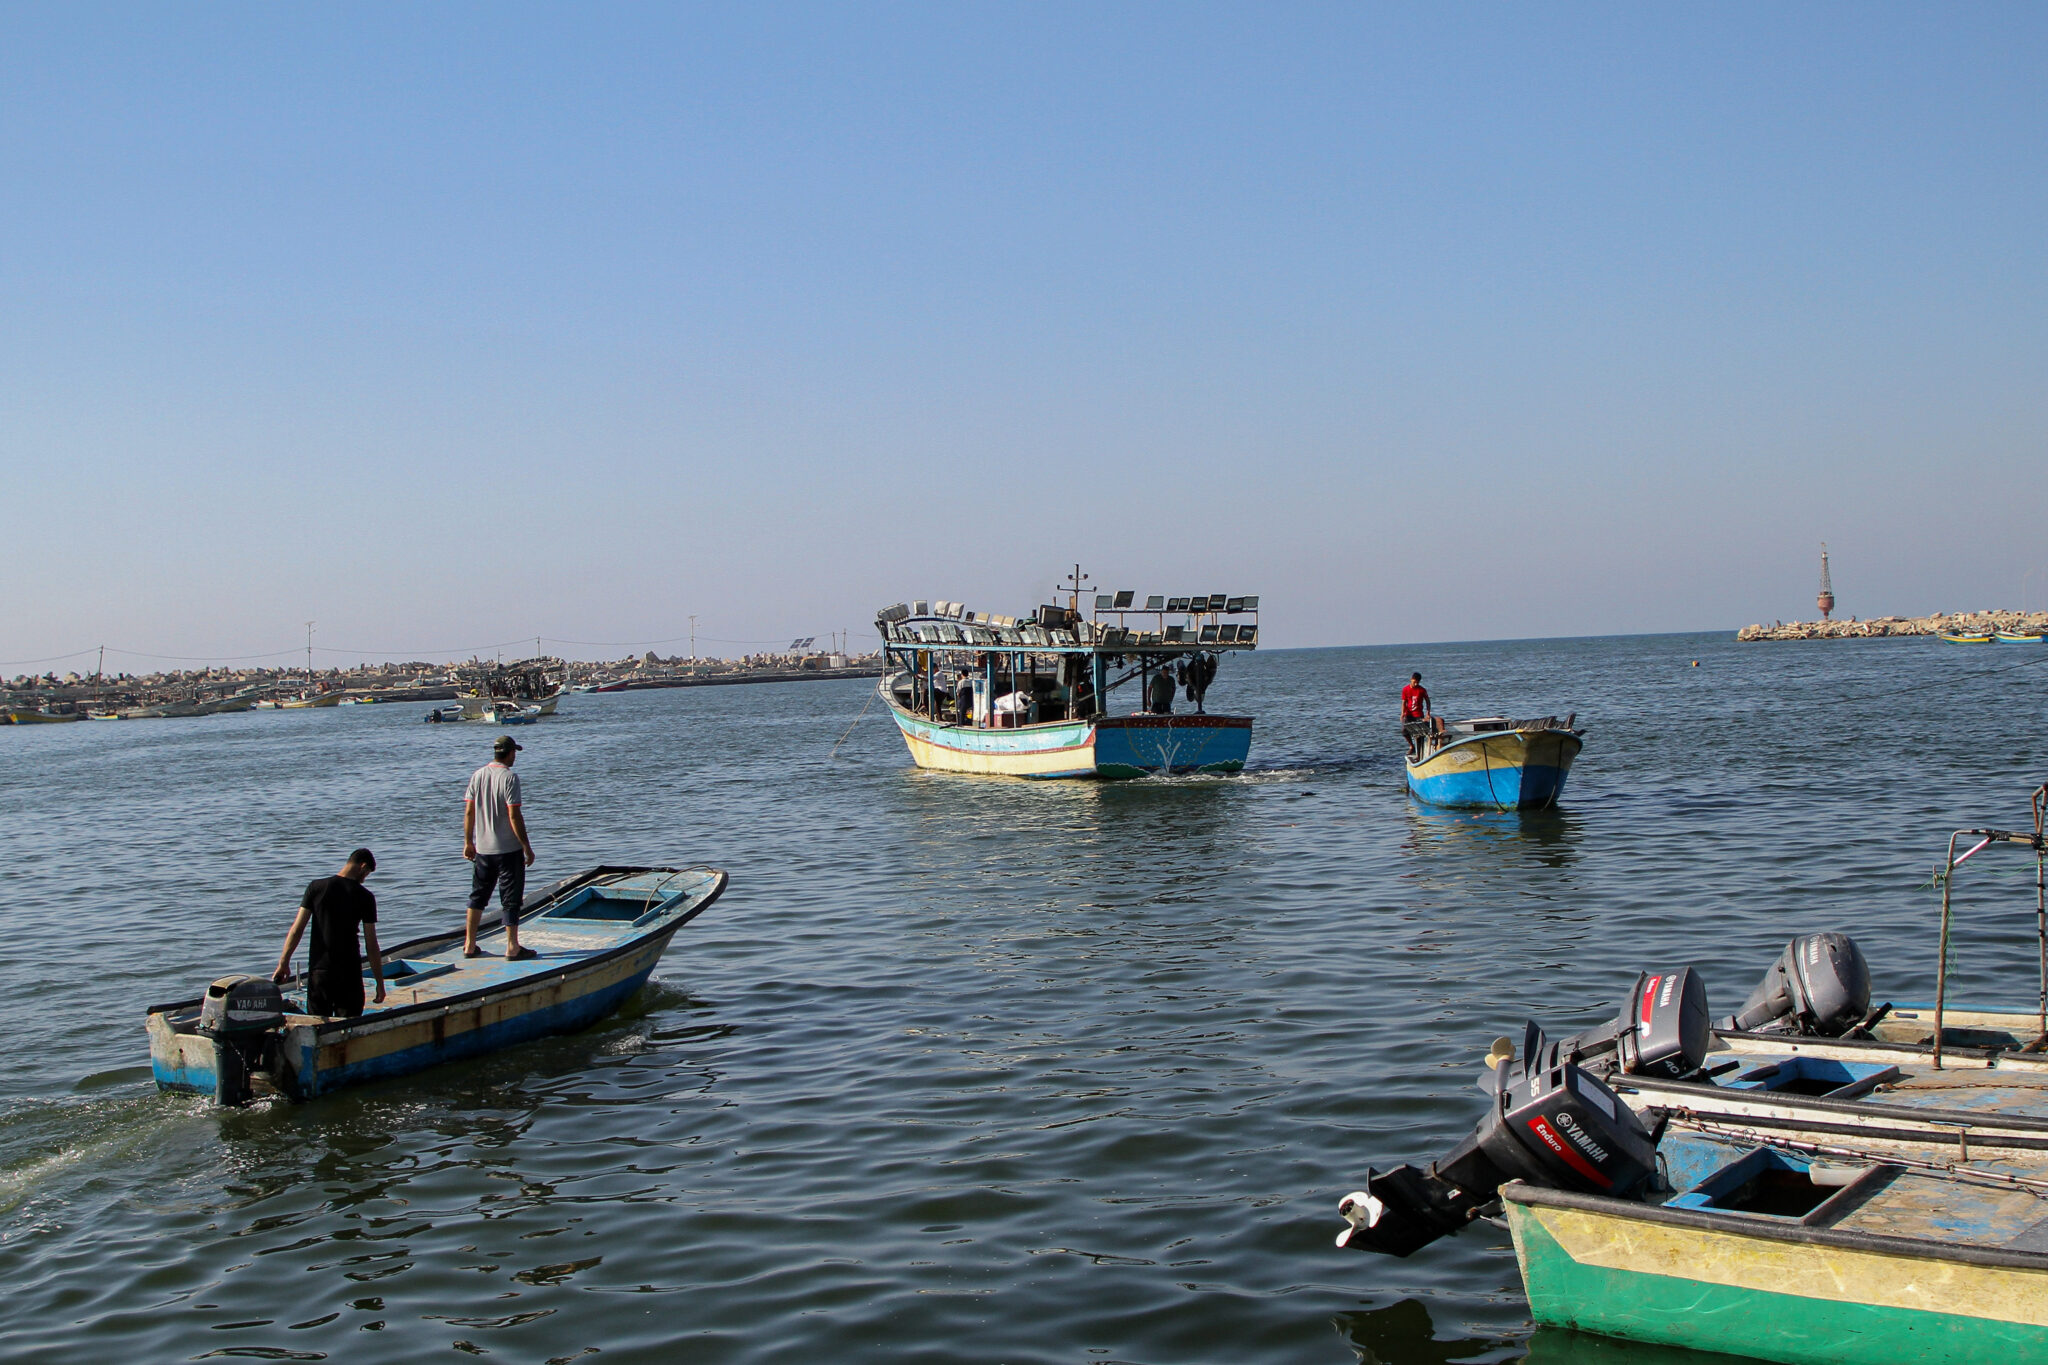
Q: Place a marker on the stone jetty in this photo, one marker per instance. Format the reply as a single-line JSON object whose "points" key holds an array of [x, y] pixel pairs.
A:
{"points": [[1941, 623]]}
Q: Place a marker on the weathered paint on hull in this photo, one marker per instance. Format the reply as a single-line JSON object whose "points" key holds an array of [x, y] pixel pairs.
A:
{"points": [[1502, 770], [1114, 746], [323, 1058], [1800, 1303]]}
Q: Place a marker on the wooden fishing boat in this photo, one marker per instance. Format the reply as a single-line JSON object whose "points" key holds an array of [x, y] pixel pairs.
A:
{"points": [[973, 692], [30, 716], [1824, 1184], [598, 936], [1967, 638], [1492, 762], [2020, 637]]}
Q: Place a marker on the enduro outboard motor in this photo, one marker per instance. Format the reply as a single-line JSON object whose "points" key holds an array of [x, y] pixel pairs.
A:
{"points": [[242, 1015], [1819, 985], [1662, 1030], [1554, 1124]]}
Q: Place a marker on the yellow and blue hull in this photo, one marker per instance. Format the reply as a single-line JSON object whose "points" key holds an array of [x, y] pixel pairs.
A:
{"points": [[1498, 770], [1101, 746]]}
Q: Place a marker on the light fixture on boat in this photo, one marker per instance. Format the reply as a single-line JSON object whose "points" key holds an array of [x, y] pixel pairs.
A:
{"points": [[1124, 598], [1247, 634], [1177, 604], [1217, 600], [1155, 603], [1820, 985], [1235, 604], [1174, 634], [920, 609], [1103, 600], [1226, 635], [1209, 635], [1251, 602]]}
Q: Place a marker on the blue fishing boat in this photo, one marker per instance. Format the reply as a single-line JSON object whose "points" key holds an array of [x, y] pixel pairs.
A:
{"points": [[1492, 762], [597, 935], [974, 692]]}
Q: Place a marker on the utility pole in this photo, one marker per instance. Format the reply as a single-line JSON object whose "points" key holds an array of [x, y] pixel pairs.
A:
{"points": [[693, 639]]}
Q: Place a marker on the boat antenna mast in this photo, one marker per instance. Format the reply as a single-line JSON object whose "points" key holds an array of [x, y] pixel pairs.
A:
{"points": [[1075, 582], [1826, 600]]}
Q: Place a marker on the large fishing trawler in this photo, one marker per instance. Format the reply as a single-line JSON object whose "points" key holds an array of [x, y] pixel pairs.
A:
{"points": [[975, 692]]}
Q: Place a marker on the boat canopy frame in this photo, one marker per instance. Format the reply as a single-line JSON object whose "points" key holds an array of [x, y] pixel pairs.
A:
{"points": [[917, 638], [1985, 838]]}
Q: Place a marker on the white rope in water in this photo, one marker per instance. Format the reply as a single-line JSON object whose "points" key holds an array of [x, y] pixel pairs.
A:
{"points": [[856, 720]]}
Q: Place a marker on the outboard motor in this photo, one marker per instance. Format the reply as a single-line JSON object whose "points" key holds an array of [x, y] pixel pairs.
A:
{"points": [[242, 1015], [1662, 1030], [1820, 985], [1552, 1124]]}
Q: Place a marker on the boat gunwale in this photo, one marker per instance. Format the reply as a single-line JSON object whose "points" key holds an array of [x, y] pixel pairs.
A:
{"points": [[1979, 1123], [1750, 1225], [326, 1029]]}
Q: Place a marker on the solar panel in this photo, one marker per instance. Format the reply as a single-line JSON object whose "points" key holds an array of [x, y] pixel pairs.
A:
{"points": [[1155, 603]]}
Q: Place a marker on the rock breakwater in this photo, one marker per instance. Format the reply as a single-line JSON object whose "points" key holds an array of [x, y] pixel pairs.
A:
{"points": [[1941, 623]]}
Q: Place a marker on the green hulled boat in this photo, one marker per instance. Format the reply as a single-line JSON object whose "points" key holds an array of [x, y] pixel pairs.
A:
{"points": [[1808, 1180]]}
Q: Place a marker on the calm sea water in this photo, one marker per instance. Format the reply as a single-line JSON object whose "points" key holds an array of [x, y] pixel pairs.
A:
{"points": [[959, 1069]]}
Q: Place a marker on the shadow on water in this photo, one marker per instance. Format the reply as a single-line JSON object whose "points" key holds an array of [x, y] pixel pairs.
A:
{"points": [[1403, 1334]]}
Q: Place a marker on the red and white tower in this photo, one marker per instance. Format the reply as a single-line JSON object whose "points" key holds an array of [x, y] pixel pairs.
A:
{"points": [[1826, 600]]}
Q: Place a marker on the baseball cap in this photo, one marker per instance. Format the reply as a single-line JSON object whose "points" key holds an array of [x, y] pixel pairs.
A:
{"points": [[505, 744]]}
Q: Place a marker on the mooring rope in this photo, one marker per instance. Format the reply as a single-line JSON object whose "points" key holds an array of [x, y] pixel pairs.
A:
{"points": [[856, 720]]}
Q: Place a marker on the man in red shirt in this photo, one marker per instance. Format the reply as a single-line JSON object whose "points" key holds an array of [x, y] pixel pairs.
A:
{"points": [[1417, 719]]}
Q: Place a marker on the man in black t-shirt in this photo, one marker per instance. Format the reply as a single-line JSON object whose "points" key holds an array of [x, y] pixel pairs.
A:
{"points": [[335, 906]]}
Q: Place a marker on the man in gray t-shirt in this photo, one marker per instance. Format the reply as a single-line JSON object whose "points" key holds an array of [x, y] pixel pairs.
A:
{"points": [[494, 840]]}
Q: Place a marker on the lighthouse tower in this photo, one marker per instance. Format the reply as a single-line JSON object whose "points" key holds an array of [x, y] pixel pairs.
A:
{"points": [[1826, 600]]}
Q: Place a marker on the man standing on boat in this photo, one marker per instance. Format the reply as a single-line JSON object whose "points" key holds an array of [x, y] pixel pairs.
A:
{"points": [[1417, 719], [1159, 692], [334, 906], [494, 840]]}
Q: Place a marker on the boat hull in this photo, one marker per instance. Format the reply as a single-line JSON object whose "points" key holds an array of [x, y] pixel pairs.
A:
{"points": [[1499, 770], [1105, 746], [324, 1058], [1799, 1297]]}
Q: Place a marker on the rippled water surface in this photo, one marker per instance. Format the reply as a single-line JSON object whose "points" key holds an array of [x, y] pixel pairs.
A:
{"points": [[959, 1069]]}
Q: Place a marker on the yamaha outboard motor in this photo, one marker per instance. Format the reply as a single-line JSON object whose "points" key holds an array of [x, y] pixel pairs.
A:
{"points": [[1662, 1030], [1551, 1124], [1819, 985], [242, 1015]]}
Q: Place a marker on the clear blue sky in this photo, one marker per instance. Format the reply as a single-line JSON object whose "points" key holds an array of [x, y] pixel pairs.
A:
{"points": [[448, 325]]}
